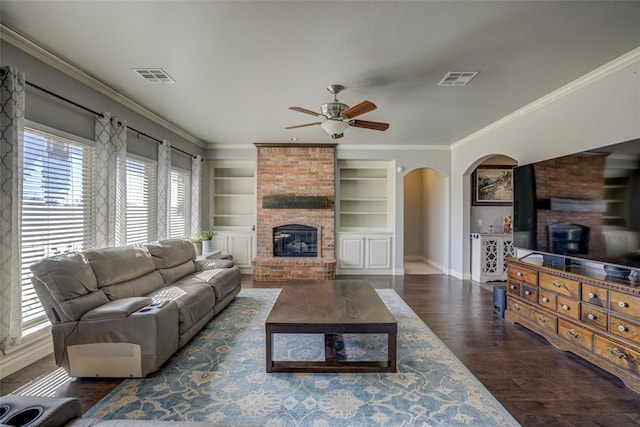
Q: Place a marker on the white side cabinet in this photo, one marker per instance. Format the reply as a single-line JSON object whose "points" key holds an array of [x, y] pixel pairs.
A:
{"points": [[364, 253], [488, 256], [240, 245]]}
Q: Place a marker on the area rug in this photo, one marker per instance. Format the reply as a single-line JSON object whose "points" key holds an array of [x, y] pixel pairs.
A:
{"points": [[220, 377]]}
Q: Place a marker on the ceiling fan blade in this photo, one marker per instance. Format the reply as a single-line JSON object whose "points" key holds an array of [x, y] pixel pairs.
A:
{"points": [[301, 126], [304, 110], [359, 109], [337, 136], [369, 125]]}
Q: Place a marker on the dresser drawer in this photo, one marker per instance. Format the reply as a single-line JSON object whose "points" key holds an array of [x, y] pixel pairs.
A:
{"points": [[626, 304], [624, 328], [547, 299], [518, 307], [523, 275], [575, 334], [617, 354], [595, 295], [562, 286], [594, 316], [544, 320], [530, 293], [514, 288], [569, 307]]}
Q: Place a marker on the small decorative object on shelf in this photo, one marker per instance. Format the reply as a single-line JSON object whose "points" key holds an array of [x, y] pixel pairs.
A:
{"points": [[506, 224]]}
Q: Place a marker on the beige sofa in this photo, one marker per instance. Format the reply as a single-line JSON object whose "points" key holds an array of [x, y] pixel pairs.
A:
{"points": [[123, 311]]}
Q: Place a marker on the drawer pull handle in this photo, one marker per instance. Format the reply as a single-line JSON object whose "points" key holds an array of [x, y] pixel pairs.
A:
{"points": [[565, 307], [527, 293], [591, 316], [542, 318], [519, 274], [622, 328], [622, 304], [592, 295], [557, 284], [545, 299], [573, 333], [617, 353], [516, 306]]}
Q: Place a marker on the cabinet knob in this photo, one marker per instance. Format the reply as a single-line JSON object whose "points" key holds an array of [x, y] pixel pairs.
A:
{"points": [[512, 287], [622, 304], [617, 353], [591, 295], [622, 328], [565, 307], [591, 316], [519, 274], [545, 299], [527, 292]]}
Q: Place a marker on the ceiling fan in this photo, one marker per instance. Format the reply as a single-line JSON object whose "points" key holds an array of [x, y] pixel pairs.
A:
{"points": [[336, 116]]}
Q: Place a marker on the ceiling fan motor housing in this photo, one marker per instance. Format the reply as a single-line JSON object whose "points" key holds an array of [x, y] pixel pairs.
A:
{"points": [[333, 110]]}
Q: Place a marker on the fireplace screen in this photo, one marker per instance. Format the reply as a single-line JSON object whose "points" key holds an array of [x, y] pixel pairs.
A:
{"points": [[295, 241]]}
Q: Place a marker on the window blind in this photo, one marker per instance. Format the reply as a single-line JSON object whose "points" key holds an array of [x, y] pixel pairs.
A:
{"points": [[141, 201], [57, 207], [179, 204]]}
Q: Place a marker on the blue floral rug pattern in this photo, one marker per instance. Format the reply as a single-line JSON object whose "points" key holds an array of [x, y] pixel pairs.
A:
{"points": [[220, 377]]}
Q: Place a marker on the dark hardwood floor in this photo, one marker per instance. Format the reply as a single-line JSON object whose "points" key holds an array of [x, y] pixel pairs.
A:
{"points": [[538, 384]]}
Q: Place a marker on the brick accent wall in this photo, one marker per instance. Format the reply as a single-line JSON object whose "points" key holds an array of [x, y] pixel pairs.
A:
{"points": [[295, 170], [557, 178]]}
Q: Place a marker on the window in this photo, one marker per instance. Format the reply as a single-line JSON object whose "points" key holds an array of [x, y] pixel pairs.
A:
{"points": [[179, 203], [57, 206], [141, 200]]}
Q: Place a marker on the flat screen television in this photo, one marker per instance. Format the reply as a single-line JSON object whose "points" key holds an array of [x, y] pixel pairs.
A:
{"points": [[584, 206]]}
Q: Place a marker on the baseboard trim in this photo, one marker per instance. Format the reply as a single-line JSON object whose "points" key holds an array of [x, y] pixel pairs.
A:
{"points": [[26, 355]]}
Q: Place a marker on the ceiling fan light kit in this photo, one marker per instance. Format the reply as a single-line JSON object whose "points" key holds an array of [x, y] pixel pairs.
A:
{"points": [[338, 116]]}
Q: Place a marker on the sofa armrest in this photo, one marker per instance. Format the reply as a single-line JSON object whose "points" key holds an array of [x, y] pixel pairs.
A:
{"points": [[117, 309], [210, 264]]}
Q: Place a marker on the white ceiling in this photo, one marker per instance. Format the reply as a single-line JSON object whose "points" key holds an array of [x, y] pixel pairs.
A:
{"points": [[239, 65]]}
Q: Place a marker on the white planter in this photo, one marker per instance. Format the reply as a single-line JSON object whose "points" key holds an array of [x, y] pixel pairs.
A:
{"points": [[206, 247]]}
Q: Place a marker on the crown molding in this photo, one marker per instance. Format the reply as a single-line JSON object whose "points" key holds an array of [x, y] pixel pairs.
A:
{"points": [[39, 52], [586, 80]]}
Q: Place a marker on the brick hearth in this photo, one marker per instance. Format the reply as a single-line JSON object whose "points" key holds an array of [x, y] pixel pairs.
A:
{"points": [[295, 171]]}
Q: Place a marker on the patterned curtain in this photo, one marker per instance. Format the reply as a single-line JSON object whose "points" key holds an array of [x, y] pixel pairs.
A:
{"points": [[164, 171], [12, 104], [111, 196], [196, 171]]}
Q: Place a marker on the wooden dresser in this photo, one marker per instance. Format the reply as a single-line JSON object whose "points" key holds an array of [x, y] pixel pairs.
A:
{"points": [[581, 311]]}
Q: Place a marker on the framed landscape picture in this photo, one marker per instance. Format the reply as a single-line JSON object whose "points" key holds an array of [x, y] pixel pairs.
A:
{"points": [[492, 185]]}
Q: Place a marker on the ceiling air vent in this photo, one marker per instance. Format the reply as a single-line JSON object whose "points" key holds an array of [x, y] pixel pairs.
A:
{"points": [[457, 78], [154, 75]]}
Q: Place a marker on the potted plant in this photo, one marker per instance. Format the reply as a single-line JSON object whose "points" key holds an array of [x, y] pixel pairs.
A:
{"points": [[205, 237]]}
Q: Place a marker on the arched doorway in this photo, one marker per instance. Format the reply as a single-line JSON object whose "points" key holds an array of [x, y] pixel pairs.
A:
{"points": [[425, 205]]}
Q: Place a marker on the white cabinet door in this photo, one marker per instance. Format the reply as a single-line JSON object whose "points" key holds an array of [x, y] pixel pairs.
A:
{"points": [[241, 247], [378, 252], [351, 254]]}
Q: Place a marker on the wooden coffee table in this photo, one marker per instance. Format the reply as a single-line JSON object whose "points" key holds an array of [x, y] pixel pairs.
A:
{"points": [[330, 307]]}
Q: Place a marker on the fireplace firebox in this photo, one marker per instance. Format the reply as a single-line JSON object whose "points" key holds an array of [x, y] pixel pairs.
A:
{"points": [[295, 240]]}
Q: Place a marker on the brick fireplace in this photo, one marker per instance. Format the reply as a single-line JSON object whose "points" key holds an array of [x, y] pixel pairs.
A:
{"points": [[295, 190]]}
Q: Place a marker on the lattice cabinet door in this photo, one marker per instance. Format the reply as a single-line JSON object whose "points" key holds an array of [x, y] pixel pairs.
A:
{"points": [[489, 255]]}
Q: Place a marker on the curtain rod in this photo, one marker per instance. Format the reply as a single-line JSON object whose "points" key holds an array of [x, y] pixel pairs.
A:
{"points": [[97, 114]]}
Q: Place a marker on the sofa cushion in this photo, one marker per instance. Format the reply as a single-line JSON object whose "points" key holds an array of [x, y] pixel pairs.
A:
{"points": [[194, 302], [71, 283], [174, 258], [66, 276], [222, 280], [120, 264], [140, 286], [207, 264], [173, 274]]}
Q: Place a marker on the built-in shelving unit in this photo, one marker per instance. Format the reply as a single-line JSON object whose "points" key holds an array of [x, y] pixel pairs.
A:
{"points": [[364, 195], [233, 195], [615, 196]]}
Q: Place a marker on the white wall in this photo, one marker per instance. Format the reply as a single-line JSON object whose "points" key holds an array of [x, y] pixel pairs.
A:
{"points": [[414, 207], [436, 203], [600, 109]]}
